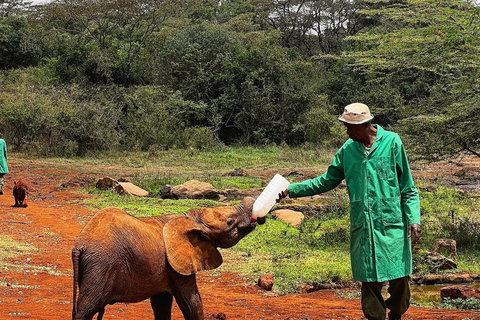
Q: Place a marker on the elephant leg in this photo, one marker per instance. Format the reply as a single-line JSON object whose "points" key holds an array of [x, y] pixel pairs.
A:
{"points": [[188, 298], [162, 306], [88, 305], [100, 314], [89, 314]]}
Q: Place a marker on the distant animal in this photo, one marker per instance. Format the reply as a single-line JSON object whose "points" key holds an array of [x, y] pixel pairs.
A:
{"points": [[20, 191], [120, 258]]}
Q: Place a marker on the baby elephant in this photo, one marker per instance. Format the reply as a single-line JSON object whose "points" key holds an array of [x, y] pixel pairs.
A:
{"points": [[120, 258], [20, 191]]}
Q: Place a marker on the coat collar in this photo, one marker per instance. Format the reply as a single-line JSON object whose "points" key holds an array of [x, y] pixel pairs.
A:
{"points": [[378, 140]]}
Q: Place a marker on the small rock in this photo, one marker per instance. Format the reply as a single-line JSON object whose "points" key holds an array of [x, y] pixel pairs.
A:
{"points": [[166, 191], [462, 292], [448, 246], [121, 187], [266, 282], [438, 262], [218, 316], [130, 189], [458, 278], [429, 188], [78, 181], [432, 279], [295, 218], [194, 189], [106, 183]]}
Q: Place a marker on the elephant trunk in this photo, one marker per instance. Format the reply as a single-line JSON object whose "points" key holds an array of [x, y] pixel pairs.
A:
{"points": [[245, 207]]}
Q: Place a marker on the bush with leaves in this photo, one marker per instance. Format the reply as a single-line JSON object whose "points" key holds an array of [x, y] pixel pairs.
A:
{"points": [[17, 47], [155, 116], [47, 120]]}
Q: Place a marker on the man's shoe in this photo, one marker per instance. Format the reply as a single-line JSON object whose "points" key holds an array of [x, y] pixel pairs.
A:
{"points": [[1, 191]]}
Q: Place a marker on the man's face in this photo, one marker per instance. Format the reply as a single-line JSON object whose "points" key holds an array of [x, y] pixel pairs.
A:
{"points": [[356, 132]]}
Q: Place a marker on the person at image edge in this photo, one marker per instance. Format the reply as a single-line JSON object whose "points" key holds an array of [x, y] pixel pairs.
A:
{"points": [[3, 162], [384, 210]]}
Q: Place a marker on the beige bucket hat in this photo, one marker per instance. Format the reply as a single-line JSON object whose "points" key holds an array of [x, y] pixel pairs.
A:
{"points": [[356, 113]]}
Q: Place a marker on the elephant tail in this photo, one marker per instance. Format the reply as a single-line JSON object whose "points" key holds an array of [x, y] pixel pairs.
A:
{"points": [[76, 252]]}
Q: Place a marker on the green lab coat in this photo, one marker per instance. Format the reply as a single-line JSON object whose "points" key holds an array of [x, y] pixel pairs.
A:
{"points": [[383, 203], [3, 157]]}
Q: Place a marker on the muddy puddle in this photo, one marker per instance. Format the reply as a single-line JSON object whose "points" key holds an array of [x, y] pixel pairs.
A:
{"points": [[430, 294]]}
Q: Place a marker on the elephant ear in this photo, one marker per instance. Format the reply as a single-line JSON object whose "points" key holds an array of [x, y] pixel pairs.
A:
{"points": [[188, 250]]}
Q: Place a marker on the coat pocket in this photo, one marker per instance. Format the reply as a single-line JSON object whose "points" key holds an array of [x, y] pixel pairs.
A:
{"points": [[385, 167], [391, 211]]}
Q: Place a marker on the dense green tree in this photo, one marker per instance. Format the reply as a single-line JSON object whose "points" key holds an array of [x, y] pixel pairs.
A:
{"points": [[113, 34], [41, 118], [17, 47], [254, 90], [419, 65], [162, 74]]}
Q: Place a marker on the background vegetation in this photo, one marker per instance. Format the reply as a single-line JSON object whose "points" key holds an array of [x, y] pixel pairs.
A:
{"points": [[80, 76]]}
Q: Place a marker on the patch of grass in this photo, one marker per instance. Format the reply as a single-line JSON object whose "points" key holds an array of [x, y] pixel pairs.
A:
{"points": [[463, 304], [146, 206], [10, 248], [191, 162], [447, 213], [294, 255], [154, 184], [468, 260]]}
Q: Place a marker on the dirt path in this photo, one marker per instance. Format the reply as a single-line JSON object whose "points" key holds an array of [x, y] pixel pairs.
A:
{"points": [[38, 284]]}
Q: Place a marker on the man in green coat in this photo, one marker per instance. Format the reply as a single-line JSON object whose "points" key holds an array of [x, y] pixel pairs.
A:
{"points": [[384, 210], [3, 163]]}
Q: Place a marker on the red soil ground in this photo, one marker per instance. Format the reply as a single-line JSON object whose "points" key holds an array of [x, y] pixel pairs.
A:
{"points": [[38, 285]]}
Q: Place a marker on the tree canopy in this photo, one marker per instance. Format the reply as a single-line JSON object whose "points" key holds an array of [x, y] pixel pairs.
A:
{"points": [[134, 75]]}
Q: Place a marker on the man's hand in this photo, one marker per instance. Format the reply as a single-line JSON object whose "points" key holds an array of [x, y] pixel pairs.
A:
{"points": [[282, 195], [414, 231]]}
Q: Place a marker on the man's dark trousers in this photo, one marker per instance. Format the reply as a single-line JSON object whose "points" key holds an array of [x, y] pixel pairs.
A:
{"points": [[374, 307]]}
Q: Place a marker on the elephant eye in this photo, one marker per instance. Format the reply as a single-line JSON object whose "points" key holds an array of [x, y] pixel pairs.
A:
{"points": [[230, 222]]}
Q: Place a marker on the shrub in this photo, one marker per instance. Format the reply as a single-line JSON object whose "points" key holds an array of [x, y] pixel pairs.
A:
{"points": [[467, 233], [157, 117], [45, 120], [459, 303]]}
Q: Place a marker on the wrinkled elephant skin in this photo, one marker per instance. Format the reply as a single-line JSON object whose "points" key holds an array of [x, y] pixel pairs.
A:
{"points": [[120, 258]]}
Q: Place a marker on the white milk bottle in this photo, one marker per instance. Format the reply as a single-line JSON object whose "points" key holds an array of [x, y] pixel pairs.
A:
{"points": [[266, 200]]}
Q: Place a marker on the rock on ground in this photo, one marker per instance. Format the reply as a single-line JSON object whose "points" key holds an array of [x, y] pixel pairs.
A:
{"points": [[295, 218], [462, 292], [266, 282], [194, 189]]}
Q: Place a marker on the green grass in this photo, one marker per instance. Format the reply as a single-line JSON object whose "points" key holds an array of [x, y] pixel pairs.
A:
{"points": [[447, 213], [145, 207], [293, 255], [187, 163]]}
